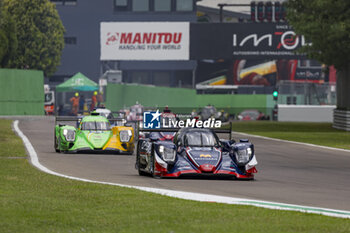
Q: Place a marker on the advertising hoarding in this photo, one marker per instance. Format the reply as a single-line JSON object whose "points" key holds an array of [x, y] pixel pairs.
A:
{"points": [[245, 41], [145, 41]]}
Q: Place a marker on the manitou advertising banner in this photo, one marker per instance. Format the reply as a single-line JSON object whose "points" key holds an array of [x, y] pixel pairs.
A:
{"points": [[245, 41], [144, 41]]}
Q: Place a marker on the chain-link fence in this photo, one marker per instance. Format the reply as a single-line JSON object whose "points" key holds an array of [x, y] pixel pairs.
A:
{"points": [[306, 93]]}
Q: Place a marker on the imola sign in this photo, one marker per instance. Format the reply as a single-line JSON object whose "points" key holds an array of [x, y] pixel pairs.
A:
{"points": [[287, 40], [245, 41]]}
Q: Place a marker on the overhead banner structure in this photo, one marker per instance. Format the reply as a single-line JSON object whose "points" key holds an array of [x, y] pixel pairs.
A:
{"points": [[145, 41], [244, 41]]}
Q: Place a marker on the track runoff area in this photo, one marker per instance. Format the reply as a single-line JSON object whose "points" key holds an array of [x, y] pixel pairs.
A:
{"points": [[185, 195]]}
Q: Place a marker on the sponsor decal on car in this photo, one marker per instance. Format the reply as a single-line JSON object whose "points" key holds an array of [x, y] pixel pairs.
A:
{"points": [[206, 159]]}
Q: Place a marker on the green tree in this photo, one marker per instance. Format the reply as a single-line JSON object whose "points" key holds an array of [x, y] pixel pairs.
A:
{"points": [[3, 37], [39, 34], [327, 25], [8, 38]]}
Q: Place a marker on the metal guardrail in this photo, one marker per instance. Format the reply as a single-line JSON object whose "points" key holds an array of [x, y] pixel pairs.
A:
{"points": [[341, 120]]}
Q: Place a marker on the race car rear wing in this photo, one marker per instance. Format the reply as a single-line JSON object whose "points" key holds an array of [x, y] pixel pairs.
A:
{"points": [[224, 131], [78, 119], [122, 114], [67, 118], [117, 119], [161, 130], [228, 131]]}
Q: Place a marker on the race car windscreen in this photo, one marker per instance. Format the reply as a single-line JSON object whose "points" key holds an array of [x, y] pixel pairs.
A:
{"points": [[200, 139], [95, 126]]}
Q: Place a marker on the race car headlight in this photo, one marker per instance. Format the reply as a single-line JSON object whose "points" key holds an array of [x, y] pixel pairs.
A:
{"points": [[69, 135], [168, 154], [243, 156], [125, 135]]}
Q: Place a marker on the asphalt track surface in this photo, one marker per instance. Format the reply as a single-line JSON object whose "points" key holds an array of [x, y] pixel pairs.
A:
{"points": [[288, 173]]}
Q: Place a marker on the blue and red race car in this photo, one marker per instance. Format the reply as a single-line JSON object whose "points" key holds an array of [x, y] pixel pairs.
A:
{"points": [[194, 151]]}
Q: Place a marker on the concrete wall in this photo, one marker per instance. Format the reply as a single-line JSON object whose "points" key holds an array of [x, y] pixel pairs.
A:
{"points": [[306, 113], [22, 92]]}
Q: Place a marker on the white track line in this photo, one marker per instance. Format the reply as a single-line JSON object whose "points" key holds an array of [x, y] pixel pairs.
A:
{"points": [[187, 195], [294, 142]]}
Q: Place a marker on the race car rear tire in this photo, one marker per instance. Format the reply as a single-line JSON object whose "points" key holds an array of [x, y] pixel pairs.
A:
{"points": [[153, 165], [141, 173], [56, 144]]}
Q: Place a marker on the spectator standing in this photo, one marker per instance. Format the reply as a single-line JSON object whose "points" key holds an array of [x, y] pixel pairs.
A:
{"points": [[93, 101], [75, 103], [99, 98]]}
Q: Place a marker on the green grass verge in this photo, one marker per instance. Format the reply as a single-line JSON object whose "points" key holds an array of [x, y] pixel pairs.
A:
{"points": [[33, 201], [314, 133], [11, 145]]}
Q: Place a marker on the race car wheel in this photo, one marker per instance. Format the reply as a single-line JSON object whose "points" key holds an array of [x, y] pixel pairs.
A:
{"points": [[141, 173], [153, 165], [56, 144]]}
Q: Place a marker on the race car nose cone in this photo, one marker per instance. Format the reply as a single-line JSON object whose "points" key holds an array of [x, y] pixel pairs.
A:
{"points": [[168, 137], [207, 167], [97, 140]]}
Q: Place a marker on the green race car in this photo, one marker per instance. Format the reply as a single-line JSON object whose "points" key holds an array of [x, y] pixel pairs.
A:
{"points": [[93, 133]]}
